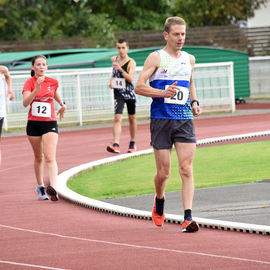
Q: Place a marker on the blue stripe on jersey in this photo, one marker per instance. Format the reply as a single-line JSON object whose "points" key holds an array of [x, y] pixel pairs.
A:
{"points": [[160, 84], [161, 110]]}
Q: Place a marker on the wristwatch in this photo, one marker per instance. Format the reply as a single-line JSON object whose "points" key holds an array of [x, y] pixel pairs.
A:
{"points": [[194, 100], [62, 102]]}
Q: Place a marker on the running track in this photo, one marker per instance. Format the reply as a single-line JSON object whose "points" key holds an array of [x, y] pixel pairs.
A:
{"points": [[60, 235]]}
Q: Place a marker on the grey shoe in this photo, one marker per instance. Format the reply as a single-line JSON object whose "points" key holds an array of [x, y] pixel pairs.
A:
{"points": [[42, 193]]}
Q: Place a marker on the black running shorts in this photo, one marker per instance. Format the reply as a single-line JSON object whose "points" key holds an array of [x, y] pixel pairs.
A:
{"points": [[39, 128], [1, 125], [164, 133], [119, 106]]}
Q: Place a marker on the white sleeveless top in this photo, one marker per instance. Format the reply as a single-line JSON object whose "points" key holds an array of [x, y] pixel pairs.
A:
{"points": [[2, 97], [171, 70]]}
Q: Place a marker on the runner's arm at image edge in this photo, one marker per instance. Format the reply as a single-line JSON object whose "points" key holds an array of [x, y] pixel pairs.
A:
{"points": [[7, 76], [195, 108]]}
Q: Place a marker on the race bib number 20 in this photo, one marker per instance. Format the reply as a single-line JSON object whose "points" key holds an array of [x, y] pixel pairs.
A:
{"points": [[41, 109], [180, 97]]}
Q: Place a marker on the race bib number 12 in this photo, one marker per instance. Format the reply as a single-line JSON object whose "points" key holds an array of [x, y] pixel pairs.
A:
{"points": [[41, 109], [180, 97]]}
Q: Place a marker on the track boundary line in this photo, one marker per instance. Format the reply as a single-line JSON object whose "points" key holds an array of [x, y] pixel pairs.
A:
{"points": [[134, 246], [31, 265], [74, 197]]}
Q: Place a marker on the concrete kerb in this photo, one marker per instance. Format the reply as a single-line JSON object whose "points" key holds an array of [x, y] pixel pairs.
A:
{"points": [[74, 197]]}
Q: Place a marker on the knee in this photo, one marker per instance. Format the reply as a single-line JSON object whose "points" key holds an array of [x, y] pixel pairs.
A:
{"points": [[132, 119], [118, 119], [49, 159], [163, 174], [39, 158], [186, 171]]}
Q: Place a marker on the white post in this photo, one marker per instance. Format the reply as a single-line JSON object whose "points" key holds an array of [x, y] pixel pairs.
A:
{"points": [[79, 102], [231, 82]]}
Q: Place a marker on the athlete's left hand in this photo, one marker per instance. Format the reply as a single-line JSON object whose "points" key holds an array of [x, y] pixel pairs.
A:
{"points": [[196, 110], [61, 111]]}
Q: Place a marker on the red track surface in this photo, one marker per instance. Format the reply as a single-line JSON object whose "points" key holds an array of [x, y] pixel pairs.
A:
{"points": [[66, 236]]}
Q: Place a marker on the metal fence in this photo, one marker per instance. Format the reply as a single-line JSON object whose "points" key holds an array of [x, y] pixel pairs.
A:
{"points": [[89, 98]]}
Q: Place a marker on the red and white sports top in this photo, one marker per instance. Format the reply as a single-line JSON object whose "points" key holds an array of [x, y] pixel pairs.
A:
{"points": [[42, 106]]}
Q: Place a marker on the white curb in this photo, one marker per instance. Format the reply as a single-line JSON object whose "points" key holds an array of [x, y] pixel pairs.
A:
{"points": [[74, 197]]}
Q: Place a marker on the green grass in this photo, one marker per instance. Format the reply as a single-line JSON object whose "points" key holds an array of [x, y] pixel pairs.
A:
{"points": [[213, 166]]}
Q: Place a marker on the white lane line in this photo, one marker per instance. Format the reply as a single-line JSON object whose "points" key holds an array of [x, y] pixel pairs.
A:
{"points": [[16, 167], [138, 247], [31, 265]]}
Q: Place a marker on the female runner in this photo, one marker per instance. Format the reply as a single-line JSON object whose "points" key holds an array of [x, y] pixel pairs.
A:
{"points": [[42, 130]]}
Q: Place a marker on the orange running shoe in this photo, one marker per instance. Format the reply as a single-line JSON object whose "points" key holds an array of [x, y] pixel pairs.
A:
{"points": [[132, 147], [158, 220], [190, 226], [113, 148]]}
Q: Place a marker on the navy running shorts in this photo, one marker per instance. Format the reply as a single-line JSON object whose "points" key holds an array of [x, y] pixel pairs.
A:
{"points": [[1, 125], [165, 132], [39, 128], [119, 106]]}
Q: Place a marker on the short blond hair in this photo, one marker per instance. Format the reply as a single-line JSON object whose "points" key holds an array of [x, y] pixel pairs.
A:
{"points": [[171, 21]]}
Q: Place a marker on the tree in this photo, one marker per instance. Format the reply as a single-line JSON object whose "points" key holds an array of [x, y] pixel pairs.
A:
{"points": [[216, 12], [99, 19]]}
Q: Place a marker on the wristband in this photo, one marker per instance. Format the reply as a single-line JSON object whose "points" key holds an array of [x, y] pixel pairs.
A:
{"points": [[61, 103], [194, 100]]}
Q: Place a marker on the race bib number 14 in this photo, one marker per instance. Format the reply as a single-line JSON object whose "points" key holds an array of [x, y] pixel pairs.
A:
{"points": [[41, 109], [119, 83], [180, 97]]}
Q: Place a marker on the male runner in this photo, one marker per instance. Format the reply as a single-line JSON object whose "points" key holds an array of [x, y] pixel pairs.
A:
{"points": [[4, 72], [170, 73], [121, 82]]}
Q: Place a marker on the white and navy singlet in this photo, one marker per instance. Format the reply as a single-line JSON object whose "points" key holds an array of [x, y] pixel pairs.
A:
{"points": [[171, 70]]}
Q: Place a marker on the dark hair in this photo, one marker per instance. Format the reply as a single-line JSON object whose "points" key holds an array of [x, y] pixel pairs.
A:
{"points": [[34, 60], [122, 40]]}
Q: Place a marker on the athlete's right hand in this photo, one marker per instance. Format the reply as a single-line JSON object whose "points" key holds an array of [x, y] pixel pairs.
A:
{"points": [[11, 95], [117, 66], [170, 91]]}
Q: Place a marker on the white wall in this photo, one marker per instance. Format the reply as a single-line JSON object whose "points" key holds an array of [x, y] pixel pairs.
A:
{"points": [[261, 18], [259, 70]]}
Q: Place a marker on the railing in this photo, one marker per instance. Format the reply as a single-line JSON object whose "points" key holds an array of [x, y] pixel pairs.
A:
{"points": [[90, 100]]}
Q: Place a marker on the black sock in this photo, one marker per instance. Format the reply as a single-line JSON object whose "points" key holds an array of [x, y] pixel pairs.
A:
{"points": [[131, 144], [160, 206], [188, 215], [116, 144]]}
